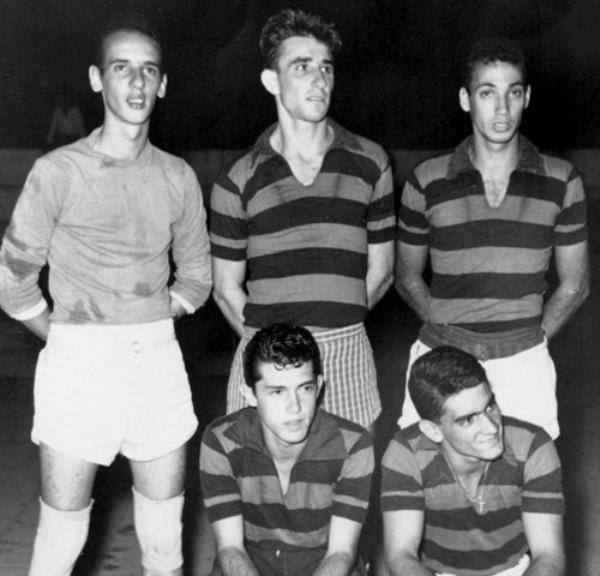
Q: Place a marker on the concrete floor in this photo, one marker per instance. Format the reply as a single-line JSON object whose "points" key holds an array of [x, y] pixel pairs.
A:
{"points": [[208, 345]]}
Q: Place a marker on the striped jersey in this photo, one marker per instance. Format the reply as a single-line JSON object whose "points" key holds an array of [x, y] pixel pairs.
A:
{"points": [[332, 477], [458, 539], [489, 265], [305, 246]]}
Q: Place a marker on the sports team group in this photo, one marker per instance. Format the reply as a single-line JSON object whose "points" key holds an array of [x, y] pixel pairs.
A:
{"points": [[302, 240]]}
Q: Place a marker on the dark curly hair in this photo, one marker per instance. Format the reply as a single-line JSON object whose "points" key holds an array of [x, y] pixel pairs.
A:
{"points": [[289, 23], [282, 345]]}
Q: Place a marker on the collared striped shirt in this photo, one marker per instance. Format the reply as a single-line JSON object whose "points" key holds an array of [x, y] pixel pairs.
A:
{"points": [[306, 246], [489, 265], [458, 538], [332, 477]]}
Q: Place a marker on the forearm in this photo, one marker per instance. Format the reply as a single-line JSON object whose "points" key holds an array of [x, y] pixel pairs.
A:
{"points": [[231, 302], [377, 285], [415, 293], [236, 562], [336, 564], [547, 565], [406, 566], [562, 305]]}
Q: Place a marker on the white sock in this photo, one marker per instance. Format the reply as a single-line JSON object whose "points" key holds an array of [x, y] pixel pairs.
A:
{"points": [[158, 527], [59, 540]]}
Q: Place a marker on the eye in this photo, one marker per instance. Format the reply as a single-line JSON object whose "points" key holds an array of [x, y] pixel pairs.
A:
{"points": [[466, 422], [485, 93], [327, 69], [152, 71], [120, 68], [517, 92], [308, 388]]}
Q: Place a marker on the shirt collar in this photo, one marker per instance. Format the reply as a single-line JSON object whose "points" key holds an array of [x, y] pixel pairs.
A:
{"points": [[342, 138], [529, 158], [324, 442]]}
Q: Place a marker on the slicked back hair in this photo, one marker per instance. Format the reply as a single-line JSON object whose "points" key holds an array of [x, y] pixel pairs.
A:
{"points": [[439, 374], [130, 22]]}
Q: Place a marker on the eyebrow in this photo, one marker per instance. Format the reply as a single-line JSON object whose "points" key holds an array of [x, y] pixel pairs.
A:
{"points": [[306, 59], [127, 60], [491, 401], [492, 85]]}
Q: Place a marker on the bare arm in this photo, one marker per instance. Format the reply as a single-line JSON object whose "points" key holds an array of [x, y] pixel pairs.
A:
{"points": [[39, 325], [229, 293], [379, 272], [572, 266], [341, 548], [544, 533], [402, 534], [410, 265], [231, 554]]}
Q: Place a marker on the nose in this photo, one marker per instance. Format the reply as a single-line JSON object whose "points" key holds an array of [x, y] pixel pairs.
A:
{"points": [[502, 104], [293, 403], [320, 78], [137, 77], [489, 425]]}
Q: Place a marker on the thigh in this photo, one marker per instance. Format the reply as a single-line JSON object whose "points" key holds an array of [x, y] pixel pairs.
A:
{"points": [[67, 481], [161, 478]]}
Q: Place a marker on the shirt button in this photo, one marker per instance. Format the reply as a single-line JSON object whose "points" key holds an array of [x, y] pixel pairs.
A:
{"points": [[277, 553]]}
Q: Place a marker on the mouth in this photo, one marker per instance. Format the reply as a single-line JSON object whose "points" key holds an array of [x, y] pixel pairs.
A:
{"points": [[502, 126], [137, 102]]}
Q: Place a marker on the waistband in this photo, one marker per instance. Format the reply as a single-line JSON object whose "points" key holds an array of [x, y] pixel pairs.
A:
{"points": [[321, 335], [483, 345], [148, 331]]}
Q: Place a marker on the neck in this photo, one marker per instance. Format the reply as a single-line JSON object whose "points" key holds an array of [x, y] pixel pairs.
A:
{"points": [[121, 142], [462, 466], [307, 139], [493, 158]]}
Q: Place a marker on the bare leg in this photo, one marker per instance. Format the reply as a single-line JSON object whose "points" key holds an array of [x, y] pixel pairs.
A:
{"points": [[65, 507], [158, 502]]}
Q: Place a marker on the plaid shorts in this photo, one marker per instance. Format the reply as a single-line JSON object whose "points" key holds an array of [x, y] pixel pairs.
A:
{"points": [[348, 367]]}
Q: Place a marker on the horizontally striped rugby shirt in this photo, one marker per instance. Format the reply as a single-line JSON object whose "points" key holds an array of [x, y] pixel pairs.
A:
{"points": [[456, 539], [305, 246], [332, 477], [489, 264]]}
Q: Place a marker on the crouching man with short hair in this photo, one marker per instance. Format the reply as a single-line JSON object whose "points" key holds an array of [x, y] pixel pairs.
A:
{"points": [[286, 484], [466, 491]]}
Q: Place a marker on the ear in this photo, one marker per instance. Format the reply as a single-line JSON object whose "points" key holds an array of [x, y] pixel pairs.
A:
{"points": [[320, 383], [527, 95], [463, 98], [162, 89], [249, 395], [270, 81], [95, 78], [431, 430]]}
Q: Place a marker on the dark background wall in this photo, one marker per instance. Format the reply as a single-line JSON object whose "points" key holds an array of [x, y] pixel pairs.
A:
{"points": [[396, 82]]}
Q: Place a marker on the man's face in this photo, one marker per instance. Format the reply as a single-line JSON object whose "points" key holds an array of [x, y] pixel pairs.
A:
{"points": [[471, 426], [130, 78], [496, 100], [304, 79], [286, 399]]}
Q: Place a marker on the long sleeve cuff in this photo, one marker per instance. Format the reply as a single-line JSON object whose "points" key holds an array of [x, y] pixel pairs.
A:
{"points": [[186, 305], [32, 312]]}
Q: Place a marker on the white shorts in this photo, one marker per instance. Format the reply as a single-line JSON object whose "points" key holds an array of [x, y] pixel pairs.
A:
{"points": [[104, 390], [524, 385]]}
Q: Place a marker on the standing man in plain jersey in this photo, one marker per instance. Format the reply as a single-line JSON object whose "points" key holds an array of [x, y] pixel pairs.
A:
{"points": [[302, 226], [490, 215], [104, 212]]}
